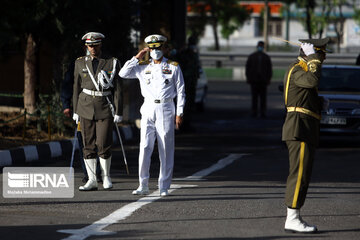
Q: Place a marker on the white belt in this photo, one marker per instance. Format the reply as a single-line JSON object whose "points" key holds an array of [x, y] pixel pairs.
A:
{"points": [[96, 93], [159, 100]]}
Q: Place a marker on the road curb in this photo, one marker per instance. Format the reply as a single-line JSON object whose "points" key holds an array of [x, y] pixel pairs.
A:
{"points": [[48, 151]]}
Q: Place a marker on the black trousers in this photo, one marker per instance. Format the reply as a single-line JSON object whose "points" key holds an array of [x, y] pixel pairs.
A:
{"points": [[97, 137], [301, 159], [258, 91]]}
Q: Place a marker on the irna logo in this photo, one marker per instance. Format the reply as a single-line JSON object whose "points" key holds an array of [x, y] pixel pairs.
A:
{"points": [[34, 180], [38, 182]]}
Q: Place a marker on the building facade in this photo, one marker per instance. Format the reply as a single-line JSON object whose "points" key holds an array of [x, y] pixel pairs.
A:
{"points": [[246, 37]]}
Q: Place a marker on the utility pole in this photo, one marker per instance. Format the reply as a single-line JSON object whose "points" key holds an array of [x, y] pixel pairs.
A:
{"points": [[287, 17], [266, 24]]}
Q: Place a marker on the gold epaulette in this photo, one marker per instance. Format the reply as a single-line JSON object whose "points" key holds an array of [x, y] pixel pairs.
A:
{"points": [[80, 57], [146, 62], [172, 62], [303, 65]]}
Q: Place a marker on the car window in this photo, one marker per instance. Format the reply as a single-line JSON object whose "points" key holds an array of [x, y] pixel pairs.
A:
{"points": [[340, 79]]}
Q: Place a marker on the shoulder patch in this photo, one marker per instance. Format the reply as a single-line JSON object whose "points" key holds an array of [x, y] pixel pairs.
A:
{"points": [[146, 62], [172, 62], [313, 65]]}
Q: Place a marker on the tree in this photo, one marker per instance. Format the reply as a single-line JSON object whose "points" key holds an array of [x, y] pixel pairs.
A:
{"points": [[324, 19], [308, 21], [286, 10], [196, 19], [231, 18], [338, 21], [228, 14], [356, 14], [331, 14], [61, 23], [22, 23]]}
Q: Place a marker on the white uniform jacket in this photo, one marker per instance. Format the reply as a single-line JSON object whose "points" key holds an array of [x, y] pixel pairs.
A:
{"points": [[157, 81]]}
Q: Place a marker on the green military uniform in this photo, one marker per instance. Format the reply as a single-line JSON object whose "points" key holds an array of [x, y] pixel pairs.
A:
{"points": [[92, 108], [97, 102], [301, 127]]}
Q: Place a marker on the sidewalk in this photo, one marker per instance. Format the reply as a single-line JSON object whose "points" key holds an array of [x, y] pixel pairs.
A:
{"points": [[50, 151]]}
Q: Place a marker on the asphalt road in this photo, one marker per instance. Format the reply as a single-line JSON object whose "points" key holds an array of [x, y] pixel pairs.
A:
{"points": [[239, 197]]}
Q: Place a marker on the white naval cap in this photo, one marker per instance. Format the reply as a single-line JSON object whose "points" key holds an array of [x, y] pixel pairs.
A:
{"points": [[93, 38], [155, 40]]}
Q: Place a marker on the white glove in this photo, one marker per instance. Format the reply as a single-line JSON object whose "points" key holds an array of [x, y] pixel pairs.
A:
{"points": [[76, 118], [117, 119], [308, 48]]}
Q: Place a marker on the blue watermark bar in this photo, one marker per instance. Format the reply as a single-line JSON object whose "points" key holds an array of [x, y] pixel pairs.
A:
{"points": [[38, 182]]}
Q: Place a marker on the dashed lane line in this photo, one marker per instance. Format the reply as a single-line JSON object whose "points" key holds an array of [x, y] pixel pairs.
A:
{"points": [[198, 176]]}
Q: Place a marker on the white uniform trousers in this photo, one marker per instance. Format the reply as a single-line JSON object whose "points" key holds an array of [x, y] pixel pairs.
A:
{"points": [[157, 122]]}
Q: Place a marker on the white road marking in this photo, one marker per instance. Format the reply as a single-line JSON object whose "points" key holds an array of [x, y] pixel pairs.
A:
{"points": [[217, 166], [97, 227]]}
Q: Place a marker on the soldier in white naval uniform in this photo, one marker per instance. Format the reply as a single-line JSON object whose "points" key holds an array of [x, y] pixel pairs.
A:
{"points": [[161, 80]]}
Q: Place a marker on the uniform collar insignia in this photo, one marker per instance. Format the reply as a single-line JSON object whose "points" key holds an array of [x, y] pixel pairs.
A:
{"points": [[166, 70]]}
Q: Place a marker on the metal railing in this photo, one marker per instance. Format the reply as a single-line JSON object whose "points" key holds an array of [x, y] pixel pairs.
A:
{"points": [[279, 59]]}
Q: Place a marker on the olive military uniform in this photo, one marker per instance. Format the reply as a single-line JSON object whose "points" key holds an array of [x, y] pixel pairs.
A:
{"points": [[97, 101], [301, 127], [92, 108]]}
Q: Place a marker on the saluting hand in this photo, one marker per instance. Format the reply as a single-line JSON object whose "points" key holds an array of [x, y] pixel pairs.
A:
{"points": [[141, 53]]}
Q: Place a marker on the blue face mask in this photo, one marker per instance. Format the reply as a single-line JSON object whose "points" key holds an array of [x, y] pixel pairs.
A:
{"points": [[260, 49]]}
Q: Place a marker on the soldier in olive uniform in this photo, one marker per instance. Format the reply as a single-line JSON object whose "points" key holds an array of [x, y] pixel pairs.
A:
{"points": [[97, 102], [301, 127]]}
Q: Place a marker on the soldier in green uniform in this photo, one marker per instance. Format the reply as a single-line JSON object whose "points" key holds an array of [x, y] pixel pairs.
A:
{"points": [[97, 103], [301, 127]]}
